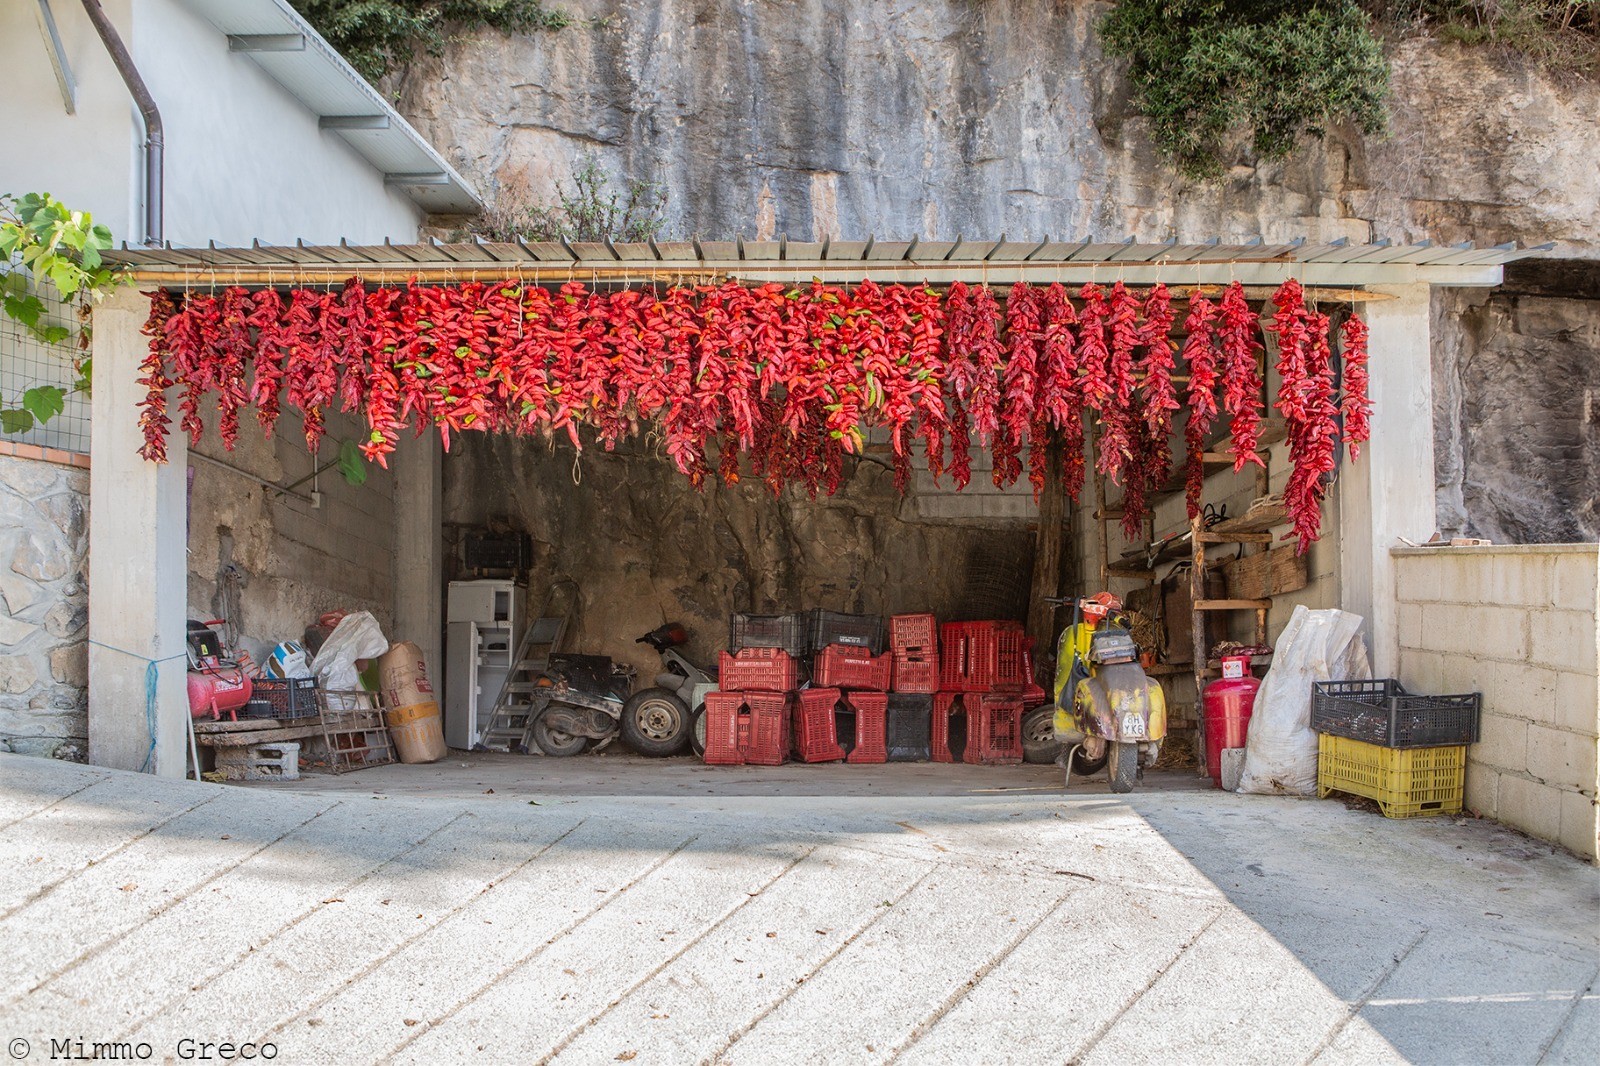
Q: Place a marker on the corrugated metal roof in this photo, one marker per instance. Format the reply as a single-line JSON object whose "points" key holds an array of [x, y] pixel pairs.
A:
{"points": [[310, 69], [997, 260]]}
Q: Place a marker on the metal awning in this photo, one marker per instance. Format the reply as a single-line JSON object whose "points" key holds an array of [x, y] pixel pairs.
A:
{"points": [[277, 39], [999, 261]]}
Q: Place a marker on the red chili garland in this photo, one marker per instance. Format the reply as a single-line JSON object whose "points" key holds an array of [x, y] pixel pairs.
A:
{"points": [[794, 378]]}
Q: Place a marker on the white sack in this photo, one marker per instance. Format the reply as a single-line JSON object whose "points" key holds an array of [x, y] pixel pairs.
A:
{"points": [[358, 636], [1281, 750]]}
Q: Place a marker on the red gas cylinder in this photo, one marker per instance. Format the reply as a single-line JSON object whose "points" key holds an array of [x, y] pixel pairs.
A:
{"points": [[1228, 703]]}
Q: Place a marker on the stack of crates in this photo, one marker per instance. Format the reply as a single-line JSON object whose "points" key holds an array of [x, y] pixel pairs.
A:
{"points": [[914, 643], [984, 670], [822, 716], [749, 718], [1405, 751], [851, 659]]}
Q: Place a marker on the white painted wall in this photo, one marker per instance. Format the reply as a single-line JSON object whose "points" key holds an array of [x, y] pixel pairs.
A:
{"points": [[244, 158]]}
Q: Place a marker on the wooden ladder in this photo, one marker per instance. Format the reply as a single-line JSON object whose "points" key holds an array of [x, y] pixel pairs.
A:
{"points": [[519, 699]]}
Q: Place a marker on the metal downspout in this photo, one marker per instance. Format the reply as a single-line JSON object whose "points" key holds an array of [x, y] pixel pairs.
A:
{"points": [[154, 143]]}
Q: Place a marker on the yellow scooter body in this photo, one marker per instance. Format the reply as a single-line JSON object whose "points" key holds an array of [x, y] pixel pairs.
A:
{"points": [[1072, 657], [1109, 693]]}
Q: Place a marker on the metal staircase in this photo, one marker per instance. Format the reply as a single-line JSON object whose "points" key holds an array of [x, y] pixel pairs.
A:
{"points": [[519, 699]]}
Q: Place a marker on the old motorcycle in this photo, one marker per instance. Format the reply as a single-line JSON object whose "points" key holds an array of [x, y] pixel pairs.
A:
{"points": [[1106, 706]]}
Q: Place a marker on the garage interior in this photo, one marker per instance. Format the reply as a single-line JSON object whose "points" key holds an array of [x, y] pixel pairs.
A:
{"points": [[277, 536]]}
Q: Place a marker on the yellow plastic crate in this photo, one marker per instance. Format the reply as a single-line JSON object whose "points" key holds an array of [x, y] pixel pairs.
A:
{"points": [[1406, 782]]}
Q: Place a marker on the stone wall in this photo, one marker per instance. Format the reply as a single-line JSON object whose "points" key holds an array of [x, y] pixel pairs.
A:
{"points": [[640, 546], [296, 560], [1518, 624], [44, 594]]}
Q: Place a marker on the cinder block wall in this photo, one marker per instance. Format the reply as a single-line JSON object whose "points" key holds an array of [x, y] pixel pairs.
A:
{"points": [[1519, 624]]}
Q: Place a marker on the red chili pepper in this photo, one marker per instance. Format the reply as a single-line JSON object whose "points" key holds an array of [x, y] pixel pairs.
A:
{"points": [[153, 418]]}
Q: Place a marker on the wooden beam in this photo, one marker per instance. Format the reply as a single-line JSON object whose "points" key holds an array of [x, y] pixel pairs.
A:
{"points": [[1049, 544], [1231, 605]]}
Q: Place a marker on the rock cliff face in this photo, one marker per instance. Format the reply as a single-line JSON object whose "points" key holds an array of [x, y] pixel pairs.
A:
{"points": [[981, 117]]}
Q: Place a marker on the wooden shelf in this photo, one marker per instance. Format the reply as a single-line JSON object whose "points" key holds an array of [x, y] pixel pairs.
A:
{"points": [[1231, 605], [1258, 519]]}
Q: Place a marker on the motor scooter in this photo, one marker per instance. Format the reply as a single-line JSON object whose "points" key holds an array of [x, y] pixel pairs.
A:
{"points": [[588, 700], [1106, 706]]}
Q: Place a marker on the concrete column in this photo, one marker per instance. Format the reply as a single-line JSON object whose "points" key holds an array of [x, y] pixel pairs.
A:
{"points": [[138, 536], [1389, 492], [419, 548]]}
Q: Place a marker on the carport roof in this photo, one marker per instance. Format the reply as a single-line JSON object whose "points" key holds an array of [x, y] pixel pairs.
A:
{"points": [[838, 260]]}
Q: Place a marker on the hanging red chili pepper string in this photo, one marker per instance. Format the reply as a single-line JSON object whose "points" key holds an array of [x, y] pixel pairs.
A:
{"points": [[793, 377], [1356, 407], [1241, 377], [1200, 359]]}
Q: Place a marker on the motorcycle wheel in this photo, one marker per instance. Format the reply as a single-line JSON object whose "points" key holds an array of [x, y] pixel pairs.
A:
{"points": [[1124, 765], [655, 722], [555, 743], [697, 732], [1039, 743]]}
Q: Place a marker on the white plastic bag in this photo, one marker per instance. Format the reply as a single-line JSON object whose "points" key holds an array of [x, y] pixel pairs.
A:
{"points": [[1281, 750], [358, 636]]}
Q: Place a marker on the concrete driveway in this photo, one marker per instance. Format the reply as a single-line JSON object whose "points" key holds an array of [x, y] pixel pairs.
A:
{"points": [[613, 910]]}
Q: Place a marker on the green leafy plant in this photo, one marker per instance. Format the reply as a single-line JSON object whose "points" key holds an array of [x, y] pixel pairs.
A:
{"points": [[377, 35], [591, 210], [43, 242], [1203, 70]]}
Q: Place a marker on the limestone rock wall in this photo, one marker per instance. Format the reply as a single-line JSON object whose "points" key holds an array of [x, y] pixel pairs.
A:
{"points": [[44, 614], [981, 117]]}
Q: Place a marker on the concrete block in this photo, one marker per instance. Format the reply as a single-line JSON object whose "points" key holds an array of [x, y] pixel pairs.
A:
{"points": [[1520, 579], [1483, 786], [1529, 806], [1462, 578], [1580, 824], [1560, 758], [1576, 581], [1578, 703], [260, 762], [1525, 691], [1410, 626], [1420, 578], [1465, 673], [1476, 629], [1566, 640], [1421, 671], [1502, 742]]}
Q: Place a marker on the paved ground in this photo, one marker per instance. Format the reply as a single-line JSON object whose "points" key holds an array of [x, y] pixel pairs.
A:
{"points": [[607, 909]]}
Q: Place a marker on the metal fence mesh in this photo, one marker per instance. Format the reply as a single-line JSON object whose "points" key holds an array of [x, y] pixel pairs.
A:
{"points": [[26, 361]]}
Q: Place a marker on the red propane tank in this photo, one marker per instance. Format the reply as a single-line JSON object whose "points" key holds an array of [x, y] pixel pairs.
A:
{"points": [[1228, 703]]}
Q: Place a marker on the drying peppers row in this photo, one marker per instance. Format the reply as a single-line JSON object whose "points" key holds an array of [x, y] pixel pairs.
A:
{"points": [[791, 378]]}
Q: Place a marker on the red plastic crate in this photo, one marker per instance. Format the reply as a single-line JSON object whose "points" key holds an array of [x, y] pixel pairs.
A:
{"points": [[871, 712], [913, 631], [945, 704], [816, 737], [727, 728], [769, 728], [757, 670], [843, 666], [983, 657], [994, 733], [918, 673]]}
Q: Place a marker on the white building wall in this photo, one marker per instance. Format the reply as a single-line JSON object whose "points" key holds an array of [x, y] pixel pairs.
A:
{"points": [[244, 158]]}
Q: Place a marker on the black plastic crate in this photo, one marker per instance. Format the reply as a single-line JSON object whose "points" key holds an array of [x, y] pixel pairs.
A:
{"points": [[786, 631], [857, 630], [1382, 712], [908, 728], [294, 697]]}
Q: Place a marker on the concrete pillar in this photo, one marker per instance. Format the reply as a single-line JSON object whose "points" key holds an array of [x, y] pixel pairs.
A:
{"points": [[138, 536], [419, 548], [1389, 492]]}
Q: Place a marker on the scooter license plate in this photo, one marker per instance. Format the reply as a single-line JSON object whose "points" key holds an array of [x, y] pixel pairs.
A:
{"points": [[1132, 726]]}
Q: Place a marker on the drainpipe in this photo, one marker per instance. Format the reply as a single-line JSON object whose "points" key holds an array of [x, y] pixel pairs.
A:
{"points": [[154, 144]]}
